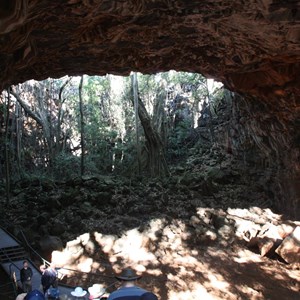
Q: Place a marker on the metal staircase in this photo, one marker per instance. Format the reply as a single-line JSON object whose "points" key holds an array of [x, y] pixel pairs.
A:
{"points": [[12, 254], [8, 291]]}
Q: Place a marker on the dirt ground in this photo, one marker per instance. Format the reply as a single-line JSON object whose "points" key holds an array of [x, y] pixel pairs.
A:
{"points": [[177, 262]]}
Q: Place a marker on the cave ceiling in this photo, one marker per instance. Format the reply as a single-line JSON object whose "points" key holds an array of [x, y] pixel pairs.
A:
{"points": [[252, 46]]}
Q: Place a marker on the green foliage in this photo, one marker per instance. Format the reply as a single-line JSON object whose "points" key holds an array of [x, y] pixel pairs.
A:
{"points": [[66, 166], [177, 146], [172, 100]]}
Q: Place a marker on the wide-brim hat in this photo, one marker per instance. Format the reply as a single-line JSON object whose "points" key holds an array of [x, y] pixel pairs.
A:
{"points": [[78, 292], [128, 275], [96, 290]]}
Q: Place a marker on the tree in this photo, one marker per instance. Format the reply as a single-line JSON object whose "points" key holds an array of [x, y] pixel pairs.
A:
{"points": [[7, 156], [136, 116], [154, 147], [61, 114], [82, 142]]}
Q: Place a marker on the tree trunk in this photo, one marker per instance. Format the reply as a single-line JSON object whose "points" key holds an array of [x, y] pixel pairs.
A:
{"points": [[212, 136], [159, 116], [18, 113], [41, 118], [7, 156], [60, 117], [82, 143], [154, 146], [48, 109], [27, 109], [136, 115]]}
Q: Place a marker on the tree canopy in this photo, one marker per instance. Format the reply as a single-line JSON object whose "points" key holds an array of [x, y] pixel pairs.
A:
{"points": [[87, 125]]}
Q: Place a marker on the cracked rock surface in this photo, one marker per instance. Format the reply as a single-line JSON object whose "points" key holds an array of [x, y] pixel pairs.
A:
{"points": [[252, 46]]}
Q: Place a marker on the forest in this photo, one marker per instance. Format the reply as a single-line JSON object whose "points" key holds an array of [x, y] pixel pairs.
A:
{"points": [[75, 126]]}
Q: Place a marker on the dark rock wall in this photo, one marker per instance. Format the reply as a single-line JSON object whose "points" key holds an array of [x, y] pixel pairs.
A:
{"points": [[252, 46], [264, 136]]}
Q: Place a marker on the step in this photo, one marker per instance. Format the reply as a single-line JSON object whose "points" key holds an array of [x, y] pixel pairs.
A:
{"points": [[12, 250], [7, 295], [12, 254]]}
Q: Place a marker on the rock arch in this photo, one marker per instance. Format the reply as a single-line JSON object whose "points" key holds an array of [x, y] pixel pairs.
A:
{"points": [[251, 46]]}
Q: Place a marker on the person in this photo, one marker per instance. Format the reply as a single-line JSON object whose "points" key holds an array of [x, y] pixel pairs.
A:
{"points": [[96, 292], [79, 293], [35, 295], [49, 277], [128, 289], [26, 276]]}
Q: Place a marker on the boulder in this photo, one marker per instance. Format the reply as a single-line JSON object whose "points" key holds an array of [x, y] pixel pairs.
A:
{"points": [[43, 218], [57, 228], [267, 240], [226, 232], [194, 221], [104, 198], [285, 230], [216, 174], [50, 243], [53, 202], [289, 249], [266, 245]]}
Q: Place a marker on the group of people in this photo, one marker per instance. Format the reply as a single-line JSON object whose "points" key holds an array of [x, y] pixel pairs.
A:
{"points": [[48, 281], [127, 291]]}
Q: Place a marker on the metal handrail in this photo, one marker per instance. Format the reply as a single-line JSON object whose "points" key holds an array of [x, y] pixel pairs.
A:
{"points": [[88, 273], [14, 280], [9, 259], [45, 262], [3, 228], [5, 285]]}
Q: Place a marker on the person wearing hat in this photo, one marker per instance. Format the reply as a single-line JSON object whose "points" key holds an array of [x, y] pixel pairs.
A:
{"points": [[79, 293], [128, 289], [96, 292]]}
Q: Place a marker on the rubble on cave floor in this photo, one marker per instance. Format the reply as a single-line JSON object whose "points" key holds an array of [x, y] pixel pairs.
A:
{"points": [[206, 231]]}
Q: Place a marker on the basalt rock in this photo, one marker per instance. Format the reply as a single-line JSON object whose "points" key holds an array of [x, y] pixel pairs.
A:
{"points": [[262, 137], [252, 46]]}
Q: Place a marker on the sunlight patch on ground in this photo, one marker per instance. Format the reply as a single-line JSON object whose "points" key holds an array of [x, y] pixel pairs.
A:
{"points": [[133, 249], [217, 281], [196, 292], [246, 256], [165, 251], [85, 264], [105, 241], [255, 214], [133, 246], [254, 293]]}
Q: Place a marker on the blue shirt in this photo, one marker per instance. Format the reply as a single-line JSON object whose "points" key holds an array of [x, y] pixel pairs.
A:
{"points": [[131, 293]]}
